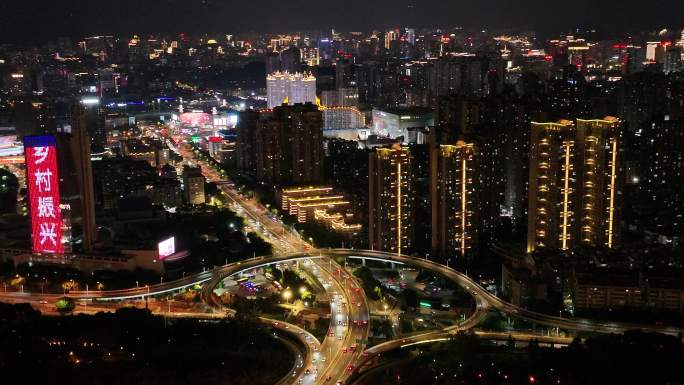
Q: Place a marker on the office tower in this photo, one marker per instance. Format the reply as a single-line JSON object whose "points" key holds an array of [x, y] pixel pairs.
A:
{"points": [[76, 187], [390, 200], [282, 87], [452, 197], [193, 185], [289, 144], [291, 60], [574, 186]]}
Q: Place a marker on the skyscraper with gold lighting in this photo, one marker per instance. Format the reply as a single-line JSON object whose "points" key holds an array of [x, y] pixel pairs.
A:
{"points": [[574, 185], [600, 180], [390, 199], [452, 195]]}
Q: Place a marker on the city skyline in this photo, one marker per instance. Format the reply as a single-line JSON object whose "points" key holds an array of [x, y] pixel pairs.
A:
{"points": [[424, 192], [81, 18]]}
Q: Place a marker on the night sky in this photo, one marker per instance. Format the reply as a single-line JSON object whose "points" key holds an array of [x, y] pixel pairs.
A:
{"points": [[26, 20]]}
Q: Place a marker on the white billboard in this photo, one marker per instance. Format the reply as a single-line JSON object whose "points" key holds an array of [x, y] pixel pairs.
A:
{"points": [[167, 247]]}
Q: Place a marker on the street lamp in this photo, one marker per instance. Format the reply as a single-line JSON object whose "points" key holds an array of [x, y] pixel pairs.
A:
{"points": [[287, 294]]}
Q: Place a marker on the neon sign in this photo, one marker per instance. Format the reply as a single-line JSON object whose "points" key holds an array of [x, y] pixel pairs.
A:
{"points": [[40, 153]]}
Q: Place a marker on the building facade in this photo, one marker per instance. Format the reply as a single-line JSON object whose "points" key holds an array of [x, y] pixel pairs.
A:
{"points": [[394, 123], [284, 87], [575, 184], [452, 194], [193, 185], [289, 145], [78, 197], [390, 199]]}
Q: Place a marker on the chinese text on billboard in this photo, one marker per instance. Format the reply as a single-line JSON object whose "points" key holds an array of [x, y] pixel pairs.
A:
{"points": [[42, 177]]}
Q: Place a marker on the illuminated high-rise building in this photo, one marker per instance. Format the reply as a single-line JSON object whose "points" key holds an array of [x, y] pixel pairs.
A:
{"points": [[551, 185], [452, 194], [599, 156], [390, 36], [310, 56], [341, 97], [283, 87], [288, 145], [390, 199], [76, 187], [574, 185]]}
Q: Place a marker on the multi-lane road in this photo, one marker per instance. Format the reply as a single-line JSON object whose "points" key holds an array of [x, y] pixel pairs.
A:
{"points": [[341, 353], [486, 300], [350, 316]]}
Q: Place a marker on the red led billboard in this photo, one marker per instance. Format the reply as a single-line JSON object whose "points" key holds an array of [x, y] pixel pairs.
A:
{"points": [[196, 119], [42, 178]]}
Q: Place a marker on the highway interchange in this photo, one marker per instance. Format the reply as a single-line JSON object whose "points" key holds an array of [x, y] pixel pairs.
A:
{"points": [[323, 362]]}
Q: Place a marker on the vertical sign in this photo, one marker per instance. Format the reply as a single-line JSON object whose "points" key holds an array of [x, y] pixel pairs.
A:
{"points": [[43, 187]]}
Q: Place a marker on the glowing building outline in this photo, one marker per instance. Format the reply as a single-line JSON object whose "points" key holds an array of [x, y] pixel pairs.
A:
{"points": [[453, 168], [574, 179]]}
